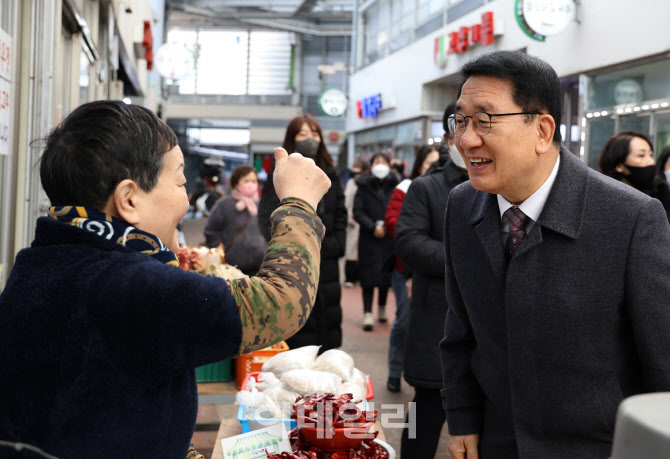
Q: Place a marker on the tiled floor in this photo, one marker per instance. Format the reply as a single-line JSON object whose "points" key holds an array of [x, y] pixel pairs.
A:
{"points": [[370, 352]]}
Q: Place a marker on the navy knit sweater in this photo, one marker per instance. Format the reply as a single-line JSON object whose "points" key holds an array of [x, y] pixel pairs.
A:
{"points": [[92, 330]]}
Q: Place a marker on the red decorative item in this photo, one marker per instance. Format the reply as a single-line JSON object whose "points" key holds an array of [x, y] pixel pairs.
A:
{"points": [[475, 33], [487, 28], [463, 39], [148, 44], [453, 43]]}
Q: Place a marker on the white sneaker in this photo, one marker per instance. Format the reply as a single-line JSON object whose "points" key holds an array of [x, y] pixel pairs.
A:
{"points": [[381, 314], [348, 285], [368, 321]]}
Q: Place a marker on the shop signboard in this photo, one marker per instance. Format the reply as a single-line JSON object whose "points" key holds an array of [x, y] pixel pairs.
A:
{"points": [[333, 102], [5, 90], [369, 107], [466, 37], [542, 18], [174, 61]]}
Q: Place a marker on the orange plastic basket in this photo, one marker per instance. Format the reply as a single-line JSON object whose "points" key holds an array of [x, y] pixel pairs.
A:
{"points": [[248, 363]]}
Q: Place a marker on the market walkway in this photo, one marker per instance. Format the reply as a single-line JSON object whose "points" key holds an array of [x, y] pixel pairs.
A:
{"points": [[369, 350]]}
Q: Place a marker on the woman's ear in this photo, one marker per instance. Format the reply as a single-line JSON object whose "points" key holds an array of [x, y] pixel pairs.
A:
{"points": [[621, 169], [125, 200], [545, 133]]}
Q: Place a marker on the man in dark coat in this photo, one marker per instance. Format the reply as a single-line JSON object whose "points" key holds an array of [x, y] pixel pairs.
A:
{"points": [[556, 278], [418, 242]]}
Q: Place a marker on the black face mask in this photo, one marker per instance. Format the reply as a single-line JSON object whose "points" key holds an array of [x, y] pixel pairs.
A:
{"points": [[640, 177], [308, 147]]}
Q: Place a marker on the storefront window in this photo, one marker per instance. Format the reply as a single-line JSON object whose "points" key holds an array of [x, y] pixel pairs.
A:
{"points": [[662, 132], [84, 77], [426, 8], [631, 85], [599, 132]]}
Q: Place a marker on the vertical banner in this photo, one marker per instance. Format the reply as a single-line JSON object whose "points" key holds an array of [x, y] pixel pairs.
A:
{"points": [[5, 90]]}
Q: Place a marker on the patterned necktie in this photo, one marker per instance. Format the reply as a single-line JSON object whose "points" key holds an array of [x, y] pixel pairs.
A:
{"points": [[517, 229]]}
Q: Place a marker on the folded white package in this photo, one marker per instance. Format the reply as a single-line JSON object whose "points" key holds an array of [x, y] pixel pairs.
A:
{"points": [[335, 361], [258, 405], [311, 382], [299, 358], [359, 378], [354, 389], [283, 398]]}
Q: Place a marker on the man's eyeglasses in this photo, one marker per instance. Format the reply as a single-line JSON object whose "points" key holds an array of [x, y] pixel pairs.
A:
{"points": [[481, 122]]}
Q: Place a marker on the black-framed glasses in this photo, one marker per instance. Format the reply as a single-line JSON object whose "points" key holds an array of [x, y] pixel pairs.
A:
{"points": [[481, 122]]}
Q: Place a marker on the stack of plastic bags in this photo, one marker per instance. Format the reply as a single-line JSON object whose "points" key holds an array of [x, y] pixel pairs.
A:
{"points": [[298, 372]]}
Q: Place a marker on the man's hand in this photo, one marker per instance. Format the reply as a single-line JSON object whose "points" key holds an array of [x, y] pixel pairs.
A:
{"points": [[298, 177], [379, 232], [463, 446]]}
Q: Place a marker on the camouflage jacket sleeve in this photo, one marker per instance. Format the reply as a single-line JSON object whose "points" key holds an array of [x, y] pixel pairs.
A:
{"points": [[276, 303]]}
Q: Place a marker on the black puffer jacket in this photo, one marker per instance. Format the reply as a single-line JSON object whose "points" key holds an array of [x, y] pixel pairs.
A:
{"points": [[324, 326], [372, 198], [418, 243]]}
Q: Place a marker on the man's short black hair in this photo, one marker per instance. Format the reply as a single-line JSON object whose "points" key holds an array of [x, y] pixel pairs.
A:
{"points": [[535, 85], [99, 145], [450, 110]]}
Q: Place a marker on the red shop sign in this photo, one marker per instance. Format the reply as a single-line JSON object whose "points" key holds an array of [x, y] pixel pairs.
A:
{"points": [[482, 34]]}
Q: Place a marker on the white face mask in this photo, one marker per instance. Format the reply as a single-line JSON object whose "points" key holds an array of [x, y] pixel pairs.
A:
{"points": [[456, 157], [380, 171], [667, 176]]}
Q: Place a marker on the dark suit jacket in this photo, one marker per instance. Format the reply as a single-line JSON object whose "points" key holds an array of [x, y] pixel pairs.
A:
{"points": [[538, 355]]}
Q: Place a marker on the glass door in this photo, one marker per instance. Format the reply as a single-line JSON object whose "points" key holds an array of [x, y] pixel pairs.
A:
{"points": [[662, 132]]}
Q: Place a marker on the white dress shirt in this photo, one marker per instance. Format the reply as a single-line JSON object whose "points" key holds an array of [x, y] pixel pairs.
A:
{"points": [[532, 206]]}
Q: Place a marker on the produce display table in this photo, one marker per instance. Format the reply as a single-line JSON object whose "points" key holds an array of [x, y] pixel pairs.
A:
{"points": [[230, 427]]}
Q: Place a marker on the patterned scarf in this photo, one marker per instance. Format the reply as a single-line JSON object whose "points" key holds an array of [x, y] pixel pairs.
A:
{"points": [[245, 202], [113, 229]]}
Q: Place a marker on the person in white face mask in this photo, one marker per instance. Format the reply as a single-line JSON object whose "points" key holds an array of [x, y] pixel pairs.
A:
{"points": [[374, 245], [419, 244], [234, 222], [324, 326]]}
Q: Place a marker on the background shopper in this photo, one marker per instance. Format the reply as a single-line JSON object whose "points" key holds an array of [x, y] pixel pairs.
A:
{"points": [[374, 245], [359, 168], [324, 327], [234, 222], [419, 244], [424, 157]]}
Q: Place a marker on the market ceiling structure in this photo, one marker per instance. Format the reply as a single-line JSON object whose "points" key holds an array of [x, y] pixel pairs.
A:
{"points": [[315, 17]]}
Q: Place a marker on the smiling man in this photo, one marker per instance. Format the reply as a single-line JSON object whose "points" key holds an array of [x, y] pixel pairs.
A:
{"points": [[556, 278]]}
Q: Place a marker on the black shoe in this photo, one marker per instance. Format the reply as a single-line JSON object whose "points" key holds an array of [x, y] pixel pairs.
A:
{"points": [[393, 384]]}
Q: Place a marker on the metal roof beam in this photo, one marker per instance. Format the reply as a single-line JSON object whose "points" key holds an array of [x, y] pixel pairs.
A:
{"points": [[306, 7], [299, 27]]}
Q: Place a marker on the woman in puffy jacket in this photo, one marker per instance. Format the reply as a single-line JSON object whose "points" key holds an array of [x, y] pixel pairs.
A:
{"points": [[324, 326]]}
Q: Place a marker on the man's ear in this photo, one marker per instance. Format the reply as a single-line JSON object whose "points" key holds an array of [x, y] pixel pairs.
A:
{"points": [[546, 127], [125, 200]]}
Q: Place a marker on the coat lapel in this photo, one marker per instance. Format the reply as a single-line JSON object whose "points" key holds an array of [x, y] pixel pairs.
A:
{"points": [[562, 213], [485, 217], [564, 210]]}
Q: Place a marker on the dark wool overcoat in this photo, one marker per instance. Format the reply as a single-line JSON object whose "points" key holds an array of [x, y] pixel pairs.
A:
{"points": [[539, 353], [418, 243]]}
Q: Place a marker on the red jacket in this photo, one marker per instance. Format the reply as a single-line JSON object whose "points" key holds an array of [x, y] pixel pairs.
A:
{"points": [[392, 212]]}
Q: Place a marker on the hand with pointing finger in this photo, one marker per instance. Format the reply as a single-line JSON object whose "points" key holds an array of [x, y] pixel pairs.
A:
{"points": [[298, 177]]}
